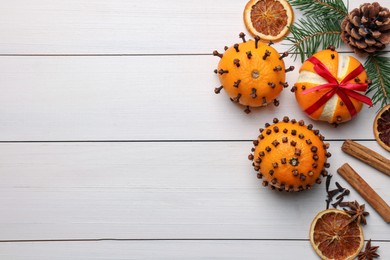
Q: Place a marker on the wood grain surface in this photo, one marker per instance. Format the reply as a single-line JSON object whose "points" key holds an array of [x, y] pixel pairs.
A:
{"points": [[123, 27], [138, 98], [171, 249]]}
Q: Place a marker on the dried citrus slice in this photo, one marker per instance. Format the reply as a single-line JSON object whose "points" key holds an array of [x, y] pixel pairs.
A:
{"points": [[334, 236], [269, 19], [382, 127]]}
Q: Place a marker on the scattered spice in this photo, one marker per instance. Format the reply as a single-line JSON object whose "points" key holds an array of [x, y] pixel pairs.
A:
{"points": [[339, 186], [357, 212], [338, 202], [332, 193], [365, 190], [369, 252], [345, 193]]}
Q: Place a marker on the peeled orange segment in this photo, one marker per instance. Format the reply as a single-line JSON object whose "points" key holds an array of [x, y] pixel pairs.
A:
{"points": [[269, 19], [334, 236], [382, 127]]}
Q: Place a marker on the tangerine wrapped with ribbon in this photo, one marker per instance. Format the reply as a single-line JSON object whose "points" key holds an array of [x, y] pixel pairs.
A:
{"points": [[331, 87]]}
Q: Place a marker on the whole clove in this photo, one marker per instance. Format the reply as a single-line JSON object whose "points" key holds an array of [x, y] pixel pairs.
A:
{"points": [[284, 54], [257, 39], [242, 36], [266, 54]]}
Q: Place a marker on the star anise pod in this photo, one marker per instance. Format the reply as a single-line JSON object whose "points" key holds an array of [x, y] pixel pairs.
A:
{"points": [[369, 252], [356, 211]]}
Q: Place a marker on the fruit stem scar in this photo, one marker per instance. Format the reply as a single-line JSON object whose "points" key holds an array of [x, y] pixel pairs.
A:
{"points": [[255, 74], [294, 161]]}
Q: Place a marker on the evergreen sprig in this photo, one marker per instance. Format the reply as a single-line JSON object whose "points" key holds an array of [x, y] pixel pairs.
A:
{"points": [[310, 34], [321, 8], [319, 28], [378, 70]]}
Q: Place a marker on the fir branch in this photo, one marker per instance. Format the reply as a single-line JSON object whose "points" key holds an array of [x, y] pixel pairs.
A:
{"points": [[321, 8], [310, 34], [378, 70]]}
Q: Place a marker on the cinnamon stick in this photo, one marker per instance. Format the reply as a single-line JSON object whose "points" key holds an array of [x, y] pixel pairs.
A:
{"points": [[365, 191], [367, 156]]}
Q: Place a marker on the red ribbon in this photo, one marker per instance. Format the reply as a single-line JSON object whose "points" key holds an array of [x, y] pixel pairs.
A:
{"points": [[343, 89]]}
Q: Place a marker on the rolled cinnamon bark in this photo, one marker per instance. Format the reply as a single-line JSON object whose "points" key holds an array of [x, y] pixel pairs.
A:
{"points": [[367, 156], [365, 190]]}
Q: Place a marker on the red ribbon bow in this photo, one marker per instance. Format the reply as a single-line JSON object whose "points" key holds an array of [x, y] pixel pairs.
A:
{"points": [[343, 89]]}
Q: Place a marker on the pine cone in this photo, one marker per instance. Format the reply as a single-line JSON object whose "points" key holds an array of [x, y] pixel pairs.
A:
{"points": [[367, 29]]}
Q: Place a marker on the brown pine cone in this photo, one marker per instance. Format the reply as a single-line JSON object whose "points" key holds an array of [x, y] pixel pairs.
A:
{"points": [[367, 29]]}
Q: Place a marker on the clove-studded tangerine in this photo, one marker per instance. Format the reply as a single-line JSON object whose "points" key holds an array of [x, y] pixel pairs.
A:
{"points": [[289, 155], [252, 73]]}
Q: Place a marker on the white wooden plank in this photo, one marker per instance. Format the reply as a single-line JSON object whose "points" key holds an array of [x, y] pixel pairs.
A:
{"points": [[157, 190], [119, 250], [121, 26], [137, 98]]}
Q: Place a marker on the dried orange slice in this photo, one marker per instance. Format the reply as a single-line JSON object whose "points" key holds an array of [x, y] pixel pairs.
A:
{"points": [[334, 236], [382, 127], [269, 19]]}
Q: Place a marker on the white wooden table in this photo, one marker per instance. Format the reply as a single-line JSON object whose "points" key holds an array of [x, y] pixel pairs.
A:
{"points": [[114, 146]]}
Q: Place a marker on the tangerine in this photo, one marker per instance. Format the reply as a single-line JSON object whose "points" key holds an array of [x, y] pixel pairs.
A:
{"points": [[289, 155], [252, 73]]}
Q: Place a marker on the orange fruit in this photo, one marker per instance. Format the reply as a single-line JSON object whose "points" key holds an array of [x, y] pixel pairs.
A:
{"points": [[382, 127], [334, 236], [252, 73], [334, 110], [269, 19], [289, 155]]}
